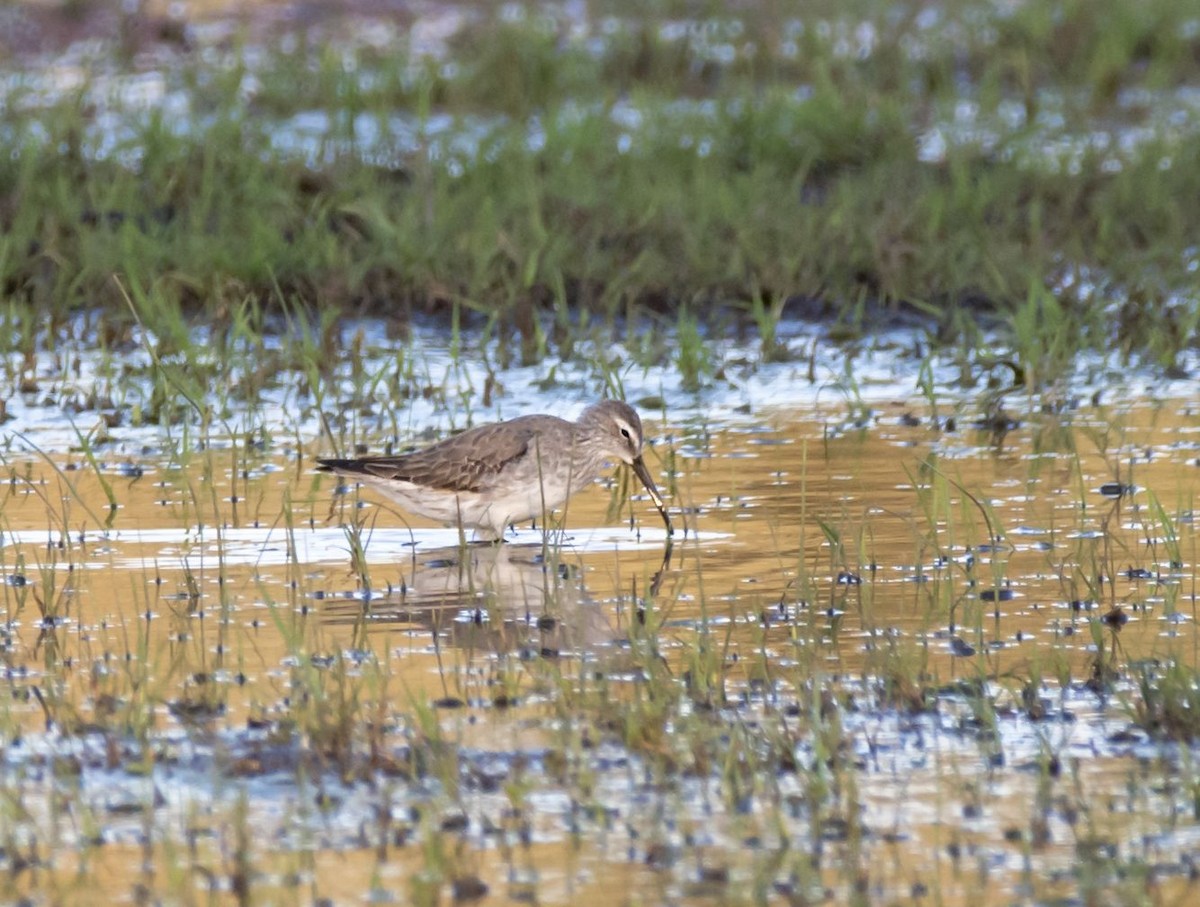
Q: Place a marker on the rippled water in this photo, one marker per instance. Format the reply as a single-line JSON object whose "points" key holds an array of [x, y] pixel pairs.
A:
{"points": [[836, 523]]}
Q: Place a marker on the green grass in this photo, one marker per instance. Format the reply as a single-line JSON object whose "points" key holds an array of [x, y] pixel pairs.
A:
{"points": [[732, 704], [774, 158], [705, 191]]}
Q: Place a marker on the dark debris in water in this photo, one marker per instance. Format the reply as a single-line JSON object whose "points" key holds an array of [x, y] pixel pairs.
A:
{"points": [[996, 595], [877, 743], [468, 888]]}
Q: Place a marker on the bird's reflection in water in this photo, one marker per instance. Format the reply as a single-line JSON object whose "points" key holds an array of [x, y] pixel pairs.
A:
{"points": [[500, 598]]}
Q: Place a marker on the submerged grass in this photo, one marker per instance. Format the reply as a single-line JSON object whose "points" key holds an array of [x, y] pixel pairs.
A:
{"points": [[547, 172], [704, 175], [733, 748]]}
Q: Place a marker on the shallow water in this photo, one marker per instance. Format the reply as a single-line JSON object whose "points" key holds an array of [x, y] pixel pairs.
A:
{"points": [[833, 543]]}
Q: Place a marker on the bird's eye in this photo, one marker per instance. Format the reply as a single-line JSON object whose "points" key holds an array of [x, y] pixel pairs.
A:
{"points": [[625, 434]]}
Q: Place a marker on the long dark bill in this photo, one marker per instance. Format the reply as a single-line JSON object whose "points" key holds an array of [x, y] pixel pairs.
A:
{"points": [[640, 470]]}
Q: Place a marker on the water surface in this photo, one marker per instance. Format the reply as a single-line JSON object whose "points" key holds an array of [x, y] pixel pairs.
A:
{"points": [[869, 545]]}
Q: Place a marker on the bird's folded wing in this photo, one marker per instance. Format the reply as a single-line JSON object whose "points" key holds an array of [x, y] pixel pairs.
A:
{"points": [[465, 462]]}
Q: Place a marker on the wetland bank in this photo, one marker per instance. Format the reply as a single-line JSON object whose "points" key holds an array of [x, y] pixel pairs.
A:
{"points": [[928, 434]]}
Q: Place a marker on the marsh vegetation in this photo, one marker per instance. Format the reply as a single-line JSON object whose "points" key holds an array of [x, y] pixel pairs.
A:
{"points": [[906, 297]]}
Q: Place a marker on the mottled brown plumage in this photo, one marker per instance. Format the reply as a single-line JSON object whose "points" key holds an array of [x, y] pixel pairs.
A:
{"points": [[490, 476], [464, 462]]}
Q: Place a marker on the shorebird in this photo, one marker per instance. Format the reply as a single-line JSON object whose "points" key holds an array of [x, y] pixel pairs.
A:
{"points": [[490, 476]]}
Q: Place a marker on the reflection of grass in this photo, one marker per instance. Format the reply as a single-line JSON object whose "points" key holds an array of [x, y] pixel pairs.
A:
{"points": [[1166, 702], [744, 743], [749, 161], [685, 733]]}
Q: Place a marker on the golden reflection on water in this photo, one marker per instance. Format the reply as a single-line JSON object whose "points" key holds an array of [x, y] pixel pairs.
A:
{"points": [[883, 528], [816, 546], [1009, 547]]}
